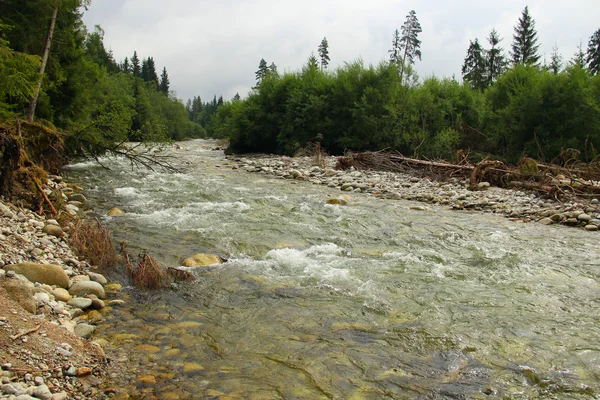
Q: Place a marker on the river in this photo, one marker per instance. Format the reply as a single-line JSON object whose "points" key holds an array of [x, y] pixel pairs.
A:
{"points": [[369, 300]]}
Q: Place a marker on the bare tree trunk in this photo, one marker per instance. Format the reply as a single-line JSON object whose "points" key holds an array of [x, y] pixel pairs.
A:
{"points": [[34, 99]]}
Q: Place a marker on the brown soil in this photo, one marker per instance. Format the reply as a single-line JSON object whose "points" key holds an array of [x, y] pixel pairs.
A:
{"points": [[35, 353]]}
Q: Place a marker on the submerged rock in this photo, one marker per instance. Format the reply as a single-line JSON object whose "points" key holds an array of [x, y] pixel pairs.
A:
{"points": [[341, 202], [115, 212], [202, 260]]}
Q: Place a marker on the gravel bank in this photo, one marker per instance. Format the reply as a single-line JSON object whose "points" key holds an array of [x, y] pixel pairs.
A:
{"points": [[454, 193], [51, 304]]}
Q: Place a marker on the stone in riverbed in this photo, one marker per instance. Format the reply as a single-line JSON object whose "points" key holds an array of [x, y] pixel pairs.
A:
{"points": [[22, 292], [341, 202], [192, 368], [83, 288], [202, 260], [49, 274], [591, 228], [42, 392], [97, 278], [61, 294], [584, 217], [84, 330], [546, 221], [77, 197], [113, 288], [115, 212], [80, 302]]}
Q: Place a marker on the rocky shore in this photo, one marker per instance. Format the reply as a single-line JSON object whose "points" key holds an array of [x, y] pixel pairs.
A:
{"points": [[51, 302], [453, 193]]}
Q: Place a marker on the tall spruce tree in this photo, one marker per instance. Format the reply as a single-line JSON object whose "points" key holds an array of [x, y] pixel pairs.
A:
{"points": [[496, 60], [525, 47], [125, 67], [163, 86], [410, 44], [262, 72], [324, 53], [136, 69], [556, 61], [273, 69], [474, 68], [593, 53], [578, 57], [395, 50], [312, 62]]}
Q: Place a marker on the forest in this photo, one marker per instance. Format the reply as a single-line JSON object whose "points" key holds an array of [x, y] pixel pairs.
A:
{"points": [[84, 93], [507, 105]]}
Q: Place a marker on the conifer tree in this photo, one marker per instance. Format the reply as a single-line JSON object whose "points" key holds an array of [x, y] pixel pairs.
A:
{"points": [[593, 53], [135, 65], [273, 69], [395, 51], [237, 97], [474, 68], [496, 60], [262, 71], [125, 67], [324, 53], [525, 47], [150, 74], [578, 57], [312, 62], [409, 42], [163, 86], [556, 61]]}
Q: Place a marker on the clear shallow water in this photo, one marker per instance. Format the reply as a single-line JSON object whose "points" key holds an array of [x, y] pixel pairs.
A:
{"points": [[365, 301]]}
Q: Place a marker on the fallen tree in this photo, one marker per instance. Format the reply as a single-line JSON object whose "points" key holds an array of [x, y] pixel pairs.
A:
{"points": [[575, 179]]}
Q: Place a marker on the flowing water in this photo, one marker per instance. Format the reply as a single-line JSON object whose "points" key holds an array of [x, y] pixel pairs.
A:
{"points": [[370, 300]]}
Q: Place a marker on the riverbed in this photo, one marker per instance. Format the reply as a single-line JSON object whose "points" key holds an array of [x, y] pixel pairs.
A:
{"points": [[365, 300]]}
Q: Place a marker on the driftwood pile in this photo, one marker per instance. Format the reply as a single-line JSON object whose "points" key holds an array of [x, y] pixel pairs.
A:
{"points": [[554, 181]]}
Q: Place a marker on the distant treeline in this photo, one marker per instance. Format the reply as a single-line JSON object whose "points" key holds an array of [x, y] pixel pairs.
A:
{"points": [[528, 110], [506, 107]]}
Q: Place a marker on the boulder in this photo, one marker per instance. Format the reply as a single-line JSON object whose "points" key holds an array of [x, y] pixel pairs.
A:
{"points": [[22, 292], [83, 288], [49, 274], [115, 212], [202, 260], [53, 230]]}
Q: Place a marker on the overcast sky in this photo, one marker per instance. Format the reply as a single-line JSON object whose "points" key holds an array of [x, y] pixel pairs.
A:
{"points": [[214, 47]]}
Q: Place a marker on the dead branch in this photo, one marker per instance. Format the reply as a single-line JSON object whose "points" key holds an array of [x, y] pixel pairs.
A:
{"points": [[573, 179], [46, 199], [25, 333]]}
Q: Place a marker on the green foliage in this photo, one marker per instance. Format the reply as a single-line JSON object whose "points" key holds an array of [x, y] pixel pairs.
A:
{"points": [[84, 92], [593, 53], [18, 75], [324, 53], [474, 68], [525, 47]]}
